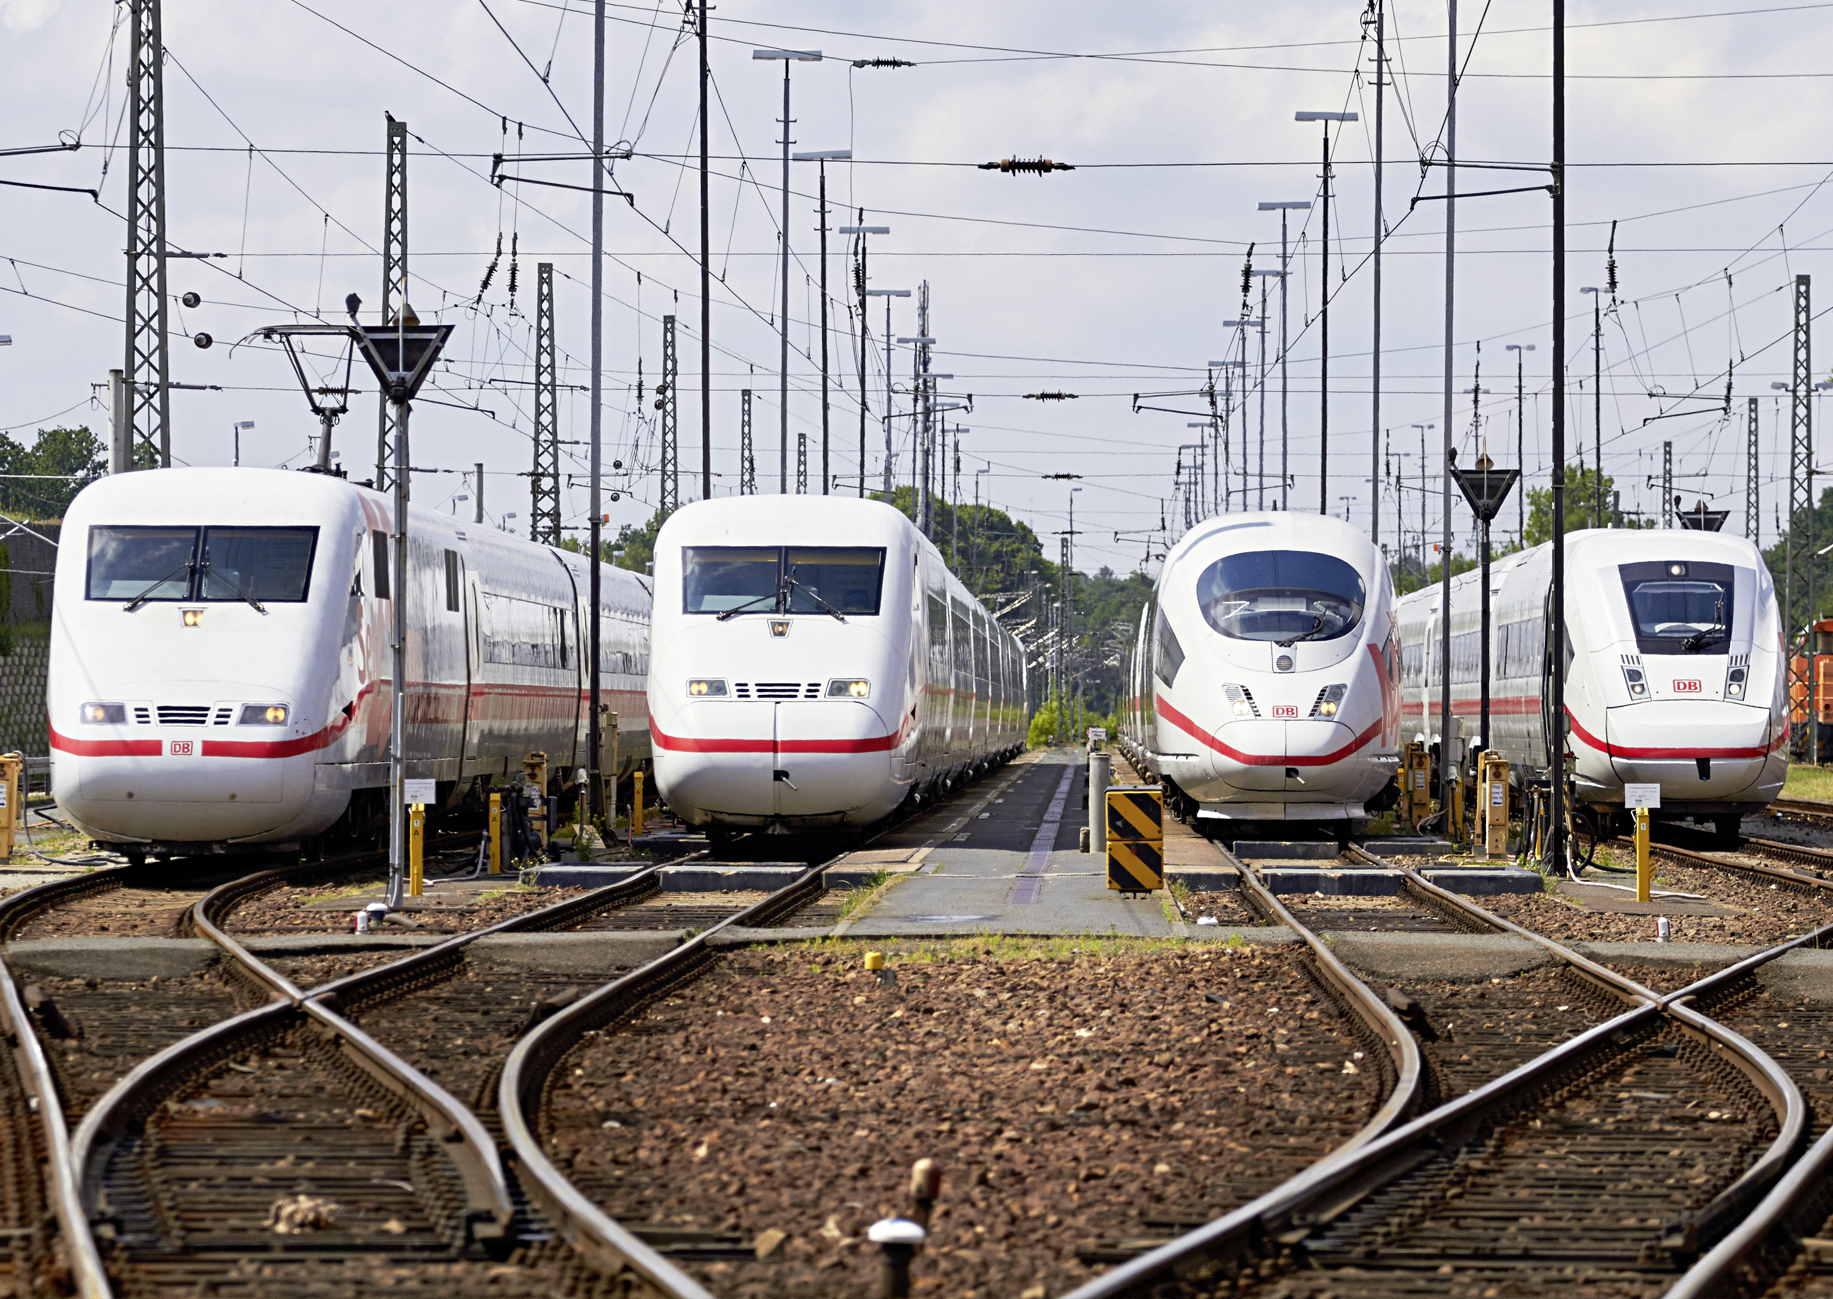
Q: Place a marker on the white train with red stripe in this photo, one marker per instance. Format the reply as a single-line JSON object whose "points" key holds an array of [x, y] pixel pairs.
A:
{"points": [[220, 658], [817, 665], [1673, 663], [1264, 683]]}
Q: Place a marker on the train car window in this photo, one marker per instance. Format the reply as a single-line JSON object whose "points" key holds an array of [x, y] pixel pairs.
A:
{"points": [[1281, 595], [522, 633], [720, 579], [141, 563], [845, 579], [1170, 656], [1679, 608], [378, 547], [452, 581]]}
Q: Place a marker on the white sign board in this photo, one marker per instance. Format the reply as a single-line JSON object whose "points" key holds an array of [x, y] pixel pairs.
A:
{"points": [[1636, 795], [1097, 732], [422, 791]]}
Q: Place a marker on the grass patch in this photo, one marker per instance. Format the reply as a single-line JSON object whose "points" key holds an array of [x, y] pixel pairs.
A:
{"points": [[855, 900], [349, 890], [1808, 781]]}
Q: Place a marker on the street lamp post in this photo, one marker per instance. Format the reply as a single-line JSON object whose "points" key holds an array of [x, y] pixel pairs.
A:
{"points": [[887, 295], [1323, 461], [1520, 349], [236, 454], [1423, 428], [823, 156], [788, 57], [1285, 474]]}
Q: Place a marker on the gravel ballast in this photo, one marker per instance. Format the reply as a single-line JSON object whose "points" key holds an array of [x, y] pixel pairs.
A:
{"points": [[1075, 1093]]}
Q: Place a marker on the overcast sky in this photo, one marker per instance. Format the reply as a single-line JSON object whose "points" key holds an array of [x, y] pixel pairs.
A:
{"points": [[1693, 127]]}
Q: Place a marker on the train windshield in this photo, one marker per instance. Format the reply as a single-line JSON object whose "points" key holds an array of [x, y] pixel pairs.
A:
{"points": [[256, 564], [1281, 595], [1679, 608], [841, 580]]}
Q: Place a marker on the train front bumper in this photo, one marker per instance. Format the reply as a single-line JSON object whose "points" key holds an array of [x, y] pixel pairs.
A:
{"points": [[1261, 766], [1704, 751]]}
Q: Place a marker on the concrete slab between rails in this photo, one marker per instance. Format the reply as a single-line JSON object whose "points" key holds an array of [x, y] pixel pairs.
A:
{"points": [[1436, 956], [1486, 881], [111, 958], [735, 937], [1259, 935], [1208, 880], [1704, 957], [1303, 850], [1357, 881], [596, 954]]}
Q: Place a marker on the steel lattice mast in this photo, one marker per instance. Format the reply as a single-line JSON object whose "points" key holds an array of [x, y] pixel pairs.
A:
{"points": [[747, 456], [394, 282], [544, 481], [1752, 519], [670, 499], [149, 393]]}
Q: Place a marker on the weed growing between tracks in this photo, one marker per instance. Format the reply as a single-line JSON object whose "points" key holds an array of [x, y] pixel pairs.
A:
{"points": [[1074, 1089]]}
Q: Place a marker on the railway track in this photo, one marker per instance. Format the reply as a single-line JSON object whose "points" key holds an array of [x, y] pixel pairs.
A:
{"points": [[657, 994], [1610, 1161]]}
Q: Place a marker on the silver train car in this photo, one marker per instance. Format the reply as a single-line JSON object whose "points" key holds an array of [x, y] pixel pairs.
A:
{"points": [[817, 666], [1264, 680], [1673, 668], [220, 672]]}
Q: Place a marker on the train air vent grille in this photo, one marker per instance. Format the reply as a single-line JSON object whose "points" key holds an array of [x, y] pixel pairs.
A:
{"points": [[143, 716], [1632, 660], [183, 715], [1319, 701], [223, 713], [812, 690], [1249, 696], [778, 689], [742, 689], [1740, 660]]}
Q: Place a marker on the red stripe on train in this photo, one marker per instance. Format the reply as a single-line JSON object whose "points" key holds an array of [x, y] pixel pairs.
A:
{"points": [[1196, 732]]}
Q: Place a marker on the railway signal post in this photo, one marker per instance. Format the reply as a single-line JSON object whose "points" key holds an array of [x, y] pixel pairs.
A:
{"points": [[401, 354]]}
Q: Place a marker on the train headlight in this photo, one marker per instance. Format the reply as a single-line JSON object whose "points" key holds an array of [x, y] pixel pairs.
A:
{"points": [[706, 688], [104, 714], [1637, 683], [849, 688], [264, 714], [1734, 683], [1330, 700], [1240, 700], [193, 617]]}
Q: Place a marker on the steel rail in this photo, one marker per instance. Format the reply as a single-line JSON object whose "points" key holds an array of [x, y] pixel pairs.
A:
{"points": [[579, 1220], [1801, 807], [1774, 874]]}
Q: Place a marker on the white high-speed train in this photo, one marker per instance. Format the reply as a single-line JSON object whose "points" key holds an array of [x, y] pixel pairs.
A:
{"points": [[1264, 684], [220, 661], [1673, 669], [816, 664]]}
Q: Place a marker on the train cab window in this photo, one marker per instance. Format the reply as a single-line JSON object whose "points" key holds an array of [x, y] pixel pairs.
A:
{"points": [[264, 564], [1281, 595], [141, 563], [1679, 607], [259, 565], [776, 579], [726, 579], [1170, 656]]}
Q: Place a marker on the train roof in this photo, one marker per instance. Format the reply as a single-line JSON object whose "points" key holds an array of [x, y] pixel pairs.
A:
{"points": [[787, 520]]}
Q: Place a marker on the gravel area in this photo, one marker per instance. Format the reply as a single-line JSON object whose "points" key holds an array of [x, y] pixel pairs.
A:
{"points": [[99, 1029], [1226, 905], [1472, 1032], [321, 968], [119, 913], [1075, 1092], [1769, 913], [448, 910]]}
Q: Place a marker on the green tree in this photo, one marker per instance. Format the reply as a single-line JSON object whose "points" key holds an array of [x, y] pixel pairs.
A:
{"points": [[1408, 580], [70, 459], [1583, 491]]}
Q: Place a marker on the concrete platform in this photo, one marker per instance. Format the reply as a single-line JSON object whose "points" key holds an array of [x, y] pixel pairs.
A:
{"points": [[1354, 881], [1486, 881], [722, 877], [1201, 880]]}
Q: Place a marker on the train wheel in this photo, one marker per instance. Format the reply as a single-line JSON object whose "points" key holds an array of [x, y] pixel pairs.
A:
{"points": [[1729, 830], [136, 857]]}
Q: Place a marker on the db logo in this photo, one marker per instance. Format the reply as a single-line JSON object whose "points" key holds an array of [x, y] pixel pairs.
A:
{"points": [[1690, 687], [181, 748], [1285, 710]]}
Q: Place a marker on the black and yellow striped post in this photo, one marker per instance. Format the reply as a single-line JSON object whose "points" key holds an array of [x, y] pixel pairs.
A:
{"points": [[1135, 838]]}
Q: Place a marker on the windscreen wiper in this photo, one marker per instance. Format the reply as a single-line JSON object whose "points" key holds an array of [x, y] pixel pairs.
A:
{"points": [[1317, 625], [233, 586], [815, 596], [147, 594], [1694, 643], [740, 608]]}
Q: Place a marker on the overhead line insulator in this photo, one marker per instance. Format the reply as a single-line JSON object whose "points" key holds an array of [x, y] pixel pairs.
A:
{"points": [[1031, 166]]}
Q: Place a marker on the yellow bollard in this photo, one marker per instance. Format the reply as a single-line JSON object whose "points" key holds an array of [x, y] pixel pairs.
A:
{"points": [[1645, 870], [636, 805], [12, 800], [496, 832], [416, 847]]}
